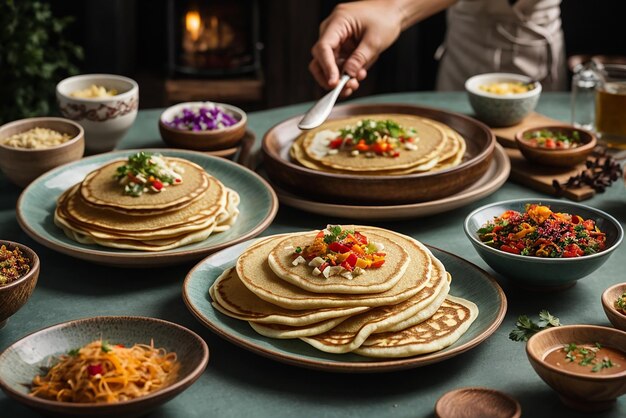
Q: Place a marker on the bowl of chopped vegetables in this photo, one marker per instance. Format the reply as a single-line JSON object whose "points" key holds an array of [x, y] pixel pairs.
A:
{"points": [[502, 99], [558, 146], [543, 243], [19, 271], [202, 126], [614, 304]]}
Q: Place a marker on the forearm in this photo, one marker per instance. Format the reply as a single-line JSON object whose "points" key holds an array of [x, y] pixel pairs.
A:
{"points": [[413, 11]]}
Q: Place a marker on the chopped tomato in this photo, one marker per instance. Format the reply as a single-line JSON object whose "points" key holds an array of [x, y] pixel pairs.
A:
{"points": [[157, 184], [335, 143], [377, 264], [360, 237], [589, 225], [338, 247], [510, 249], [549, 143]]}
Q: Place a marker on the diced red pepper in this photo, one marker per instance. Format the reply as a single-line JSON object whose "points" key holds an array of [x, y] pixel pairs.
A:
{"points": [[360, 237], [377, 264], [94, 369], [509, 249], [157, 184], [335, 143], [589, 225], [338, 247]]}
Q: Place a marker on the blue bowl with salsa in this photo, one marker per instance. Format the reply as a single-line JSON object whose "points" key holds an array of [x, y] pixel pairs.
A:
{"points": [[544, 272]]}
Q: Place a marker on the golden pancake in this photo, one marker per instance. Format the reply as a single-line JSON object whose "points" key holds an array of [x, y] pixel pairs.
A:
{"points": [[290, 332], [237, 301], [430, 141], [102, 190], [254, 272], [443, 329], [350, 334], [373, 280]]}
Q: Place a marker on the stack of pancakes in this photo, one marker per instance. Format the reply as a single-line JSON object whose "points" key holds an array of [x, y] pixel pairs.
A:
{"points": [[96, 211], [398, 310], [438, 147]]}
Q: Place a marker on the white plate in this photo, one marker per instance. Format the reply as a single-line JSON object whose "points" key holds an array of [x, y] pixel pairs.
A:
{"points": [[492, 180]]}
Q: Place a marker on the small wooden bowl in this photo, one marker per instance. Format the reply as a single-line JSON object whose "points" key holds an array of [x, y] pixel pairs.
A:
{"points": [[15, 294], [22, 166], [210, 140], [477, 401], [609, 297], [584, 392], [557, 157]]}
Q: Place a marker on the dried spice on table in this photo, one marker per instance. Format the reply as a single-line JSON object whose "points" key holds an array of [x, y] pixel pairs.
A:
{"points": [[600, 173]]}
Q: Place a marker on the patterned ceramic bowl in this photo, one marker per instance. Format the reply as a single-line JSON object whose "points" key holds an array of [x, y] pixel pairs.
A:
{"points": [[105, 119], [501, 109], [14, 295]]}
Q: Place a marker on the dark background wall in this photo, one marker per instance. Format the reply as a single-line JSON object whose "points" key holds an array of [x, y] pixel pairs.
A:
{"points": [[129, 37]]}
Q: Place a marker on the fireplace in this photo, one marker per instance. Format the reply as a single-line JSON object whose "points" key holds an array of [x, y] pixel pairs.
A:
{"points": [[213, 39]]}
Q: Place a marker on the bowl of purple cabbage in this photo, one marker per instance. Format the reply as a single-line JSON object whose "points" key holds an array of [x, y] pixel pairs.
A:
{"points": [[204, 126]]}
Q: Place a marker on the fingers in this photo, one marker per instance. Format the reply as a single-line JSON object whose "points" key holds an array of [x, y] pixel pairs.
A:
{"points": [[323, 53], [318, 74], [362, 57]]}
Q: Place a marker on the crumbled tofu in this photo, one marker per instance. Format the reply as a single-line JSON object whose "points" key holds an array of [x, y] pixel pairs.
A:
{"points": [[347, 275], [357, 271], [316, 271], [316, 262], [410, 146], [298, 260], [354, 152]]}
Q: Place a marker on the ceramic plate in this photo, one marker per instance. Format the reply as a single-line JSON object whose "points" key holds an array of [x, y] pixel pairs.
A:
{"points": [[468, 282], [35, 211], [492, 180]]}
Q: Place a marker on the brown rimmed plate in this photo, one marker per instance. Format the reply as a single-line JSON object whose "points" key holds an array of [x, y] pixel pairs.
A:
{"points": [[35, 211], [495, 176], [384, 190], [468, 281]]}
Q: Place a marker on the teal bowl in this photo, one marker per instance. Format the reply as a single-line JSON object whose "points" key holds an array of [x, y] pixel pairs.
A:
{"points": [[23, 360], [536, 272]]}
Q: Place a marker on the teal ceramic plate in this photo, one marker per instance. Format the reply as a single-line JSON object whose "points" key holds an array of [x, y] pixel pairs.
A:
{"points": [[35, 211], [23, 360], [468, 281]]}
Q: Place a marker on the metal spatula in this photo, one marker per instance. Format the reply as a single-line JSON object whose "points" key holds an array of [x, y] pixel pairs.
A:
{"points": [[317, 114]]}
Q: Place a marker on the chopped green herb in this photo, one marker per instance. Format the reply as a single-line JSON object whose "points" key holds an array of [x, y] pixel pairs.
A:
{"points": [[526, 327], [106, 347], [73, 352], [604, 364], [620, 303], [298, 250]]}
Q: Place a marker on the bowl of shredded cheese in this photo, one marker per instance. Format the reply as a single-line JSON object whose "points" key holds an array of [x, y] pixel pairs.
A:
{"points": [[30, 147], [105, 105]]}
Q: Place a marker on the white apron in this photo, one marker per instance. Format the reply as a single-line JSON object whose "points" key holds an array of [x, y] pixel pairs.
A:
{"points": [[492, 36]]}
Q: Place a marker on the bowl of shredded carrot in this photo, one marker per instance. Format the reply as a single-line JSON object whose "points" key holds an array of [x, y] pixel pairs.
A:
{"points": [[103, 366]]}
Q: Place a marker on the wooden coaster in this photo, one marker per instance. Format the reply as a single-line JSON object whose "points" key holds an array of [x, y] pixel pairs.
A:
{"points": [[476, 402]]}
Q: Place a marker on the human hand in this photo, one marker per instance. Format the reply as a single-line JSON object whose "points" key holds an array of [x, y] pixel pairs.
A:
{"points": [[352, 38]]}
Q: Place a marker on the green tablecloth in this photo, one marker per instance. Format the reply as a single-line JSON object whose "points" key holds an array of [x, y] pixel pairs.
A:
{"points": [[238, 383]]}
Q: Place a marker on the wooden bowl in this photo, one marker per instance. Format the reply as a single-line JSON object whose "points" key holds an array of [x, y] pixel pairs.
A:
{"points": [[609, 296], [210, 140], [557, 157], [584, 392], [22, 166], [362, 189], [15, 294], [23, 360], [483, 402]]}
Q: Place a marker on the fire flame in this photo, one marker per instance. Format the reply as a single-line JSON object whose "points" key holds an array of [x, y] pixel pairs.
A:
{"points": [[193, 24]]}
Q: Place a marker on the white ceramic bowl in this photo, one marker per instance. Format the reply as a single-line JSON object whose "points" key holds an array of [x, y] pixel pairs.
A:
{"points": [[498, 109], [105, 119]]}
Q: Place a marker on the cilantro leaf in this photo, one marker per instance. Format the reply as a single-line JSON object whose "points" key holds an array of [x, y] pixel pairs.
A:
{"points": [[526, 327], [547, 319]]}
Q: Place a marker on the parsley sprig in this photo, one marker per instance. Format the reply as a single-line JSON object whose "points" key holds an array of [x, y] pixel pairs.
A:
{"points": [[526, 327]]}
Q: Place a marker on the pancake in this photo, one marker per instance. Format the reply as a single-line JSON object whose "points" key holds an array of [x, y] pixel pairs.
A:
{"points": [[350, 334], [373, 280], [101, 189], [430, 141], [443, 329], [234, 299], [255, 273], [105, 220], [291, 332]]}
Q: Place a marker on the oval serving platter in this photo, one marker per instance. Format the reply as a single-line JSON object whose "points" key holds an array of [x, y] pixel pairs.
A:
{"points": [[468, 281], [35, 211]]}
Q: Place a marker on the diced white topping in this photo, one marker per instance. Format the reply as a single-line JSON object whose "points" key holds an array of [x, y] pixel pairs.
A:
{"points": [[298, 260], [347, 275], [354, 152], [326, 272], [316, 271], [333, 151], [370, 154], [357, 271], [359, 123], [335, 270], [316, 262], [379, 246], [410, 146], [349, 136], [288, 247], [372, 124]]}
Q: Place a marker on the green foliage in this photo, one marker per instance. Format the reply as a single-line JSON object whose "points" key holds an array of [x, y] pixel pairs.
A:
{"points": [[34, 56]]}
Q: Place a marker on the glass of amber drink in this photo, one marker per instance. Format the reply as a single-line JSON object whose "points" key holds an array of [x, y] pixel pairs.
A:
{"points": [[611, 106]]}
